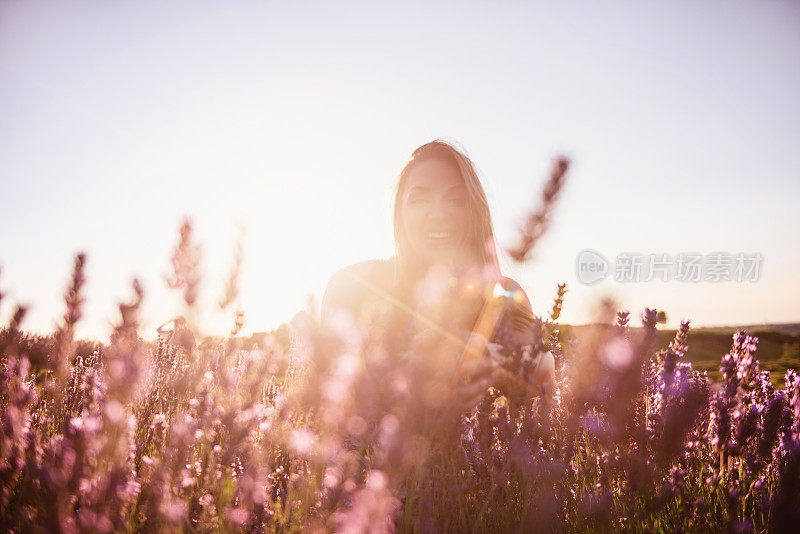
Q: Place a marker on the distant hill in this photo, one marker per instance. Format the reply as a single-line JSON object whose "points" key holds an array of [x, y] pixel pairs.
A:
{"points": [[784, 328], [778, 346]]}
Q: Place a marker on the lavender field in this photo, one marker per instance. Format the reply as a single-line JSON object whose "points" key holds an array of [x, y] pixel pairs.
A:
{"points": [[340, 429]]}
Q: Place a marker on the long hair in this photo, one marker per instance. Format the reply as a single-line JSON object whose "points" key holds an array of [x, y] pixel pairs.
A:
{"points": [[480, 234]]}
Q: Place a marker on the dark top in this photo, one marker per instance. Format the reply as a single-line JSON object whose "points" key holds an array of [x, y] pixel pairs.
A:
{"points": [[369, 291]]}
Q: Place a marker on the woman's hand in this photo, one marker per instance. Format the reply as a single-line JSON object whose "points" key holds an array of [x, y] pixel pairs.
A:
{"points": [[481, 373], [544, 374]]}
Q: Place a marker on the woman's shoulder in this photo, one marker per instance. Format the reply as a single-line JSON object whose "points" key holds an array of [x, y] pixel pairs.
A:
{"points": [[372, 271], [514, 289], [347, 287], [509, 283]]}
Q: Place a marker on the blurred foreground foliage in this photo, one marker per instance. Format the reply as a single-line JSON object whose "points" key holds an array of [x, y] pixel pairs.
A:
{"points": [[333, 427]]}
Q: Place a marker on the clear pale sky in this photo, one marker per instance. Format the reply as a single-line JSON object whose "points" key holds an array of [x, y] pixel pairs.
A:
{"points": [[294, 118]]}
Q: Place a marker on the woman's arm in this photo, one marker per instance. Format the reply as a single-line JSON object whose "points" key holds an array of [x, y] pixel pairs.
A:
{"points": [[542, 372], [542, 368]]}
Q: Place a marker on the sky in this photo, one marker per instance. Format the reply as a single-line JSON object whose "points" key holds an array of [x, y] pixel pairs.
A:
{"points": [[293, 120]]}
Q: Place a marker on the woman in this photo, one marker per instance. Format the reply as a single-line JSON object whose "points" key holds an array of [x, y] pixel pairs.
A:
{"points": [[444, 280]]}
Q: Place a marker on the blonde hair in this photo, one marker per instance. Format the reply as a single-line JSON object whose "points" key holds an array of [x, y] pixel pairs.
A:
{"points": [[480, 234]]}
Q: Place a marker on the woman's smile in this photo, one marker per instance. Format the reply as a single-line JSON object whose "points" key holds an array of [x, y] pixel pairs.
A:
{"points": [[439, 235]]}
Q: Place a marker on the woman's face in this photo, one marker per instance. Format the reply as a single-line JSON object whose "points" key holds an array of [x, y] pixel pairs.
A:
{"points": [[435, 213]]}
